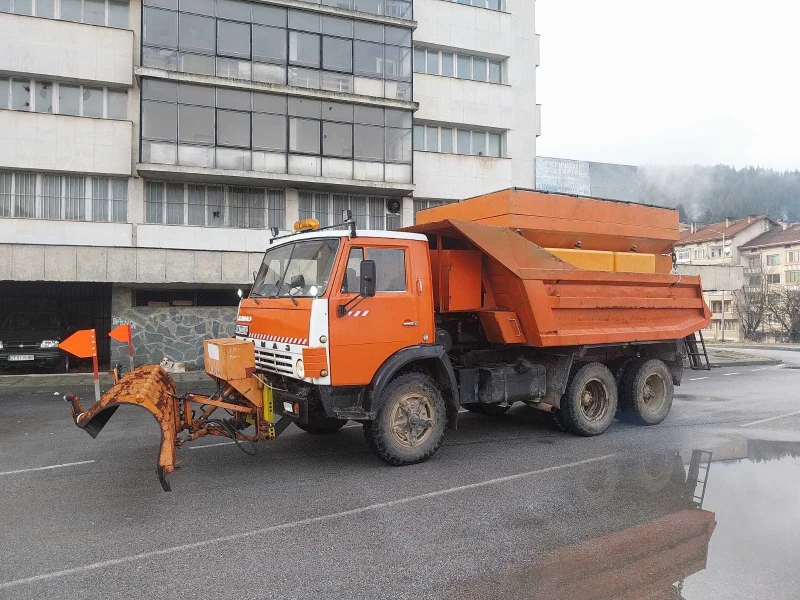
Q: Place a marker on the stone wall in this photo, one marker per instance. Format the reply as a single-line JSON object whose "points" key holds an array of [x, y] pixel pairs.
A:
{"points": [[173, 333]]}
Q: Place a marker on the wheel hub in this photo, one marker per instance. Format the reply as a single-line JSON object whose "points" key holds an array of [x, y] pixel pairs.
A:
{"points": [[654, 391], [594, 400], [412, 421]]}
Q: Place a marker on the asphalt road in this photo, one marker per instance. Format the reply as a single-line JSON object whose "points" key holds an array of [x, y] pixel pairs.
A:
{"points": [[509, 507]]}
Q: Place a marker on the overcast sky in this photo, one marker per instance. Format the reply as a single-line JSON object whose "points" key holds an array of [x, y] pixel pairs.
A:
{"points": [[680, 82]]}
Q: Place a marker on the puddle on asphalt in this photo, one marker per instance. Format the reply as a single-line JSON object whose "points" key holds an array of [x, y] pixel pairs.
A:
{"points": [[695, 524]]}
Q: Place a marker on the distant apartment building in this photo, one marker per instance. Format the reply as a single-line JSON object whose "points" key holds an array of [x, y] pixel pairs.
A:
{"points": [[714, 252], [146, 146]]}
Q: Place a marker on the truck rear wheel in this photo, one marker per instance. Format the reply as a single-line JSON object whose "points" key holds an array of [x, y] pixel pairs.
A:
{"points": [[409, 426], [589, 404], [647, 392]]}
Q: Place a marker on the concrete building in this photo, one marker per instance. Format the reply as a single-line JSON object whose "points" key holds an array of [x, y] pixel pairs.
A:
{"points": [[146, 146], [714, 252], [599, 180]]}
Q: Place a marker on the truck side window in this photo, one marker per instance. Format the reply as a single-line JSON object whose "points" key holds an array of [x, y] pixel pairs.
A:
{"points": [[390, 268], [352, 275]]}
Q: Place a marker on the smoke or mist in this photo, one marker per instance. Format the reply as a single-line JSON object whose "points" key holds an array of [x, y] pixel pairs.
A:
{"points": [[710, 194]]}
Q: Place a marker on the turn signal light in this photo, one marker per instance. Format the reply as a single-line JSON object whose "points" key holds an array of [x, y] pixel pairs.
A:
{"points": [[306, 225]]}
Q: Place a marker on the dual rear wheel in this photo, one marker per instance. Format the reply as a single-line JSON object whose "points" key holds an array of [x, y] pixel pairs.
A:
{"points": [[641, 393]]}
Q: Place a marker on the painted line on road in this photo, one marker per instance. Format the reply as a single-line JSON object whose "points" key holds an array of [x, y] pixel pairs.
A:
{"points": [[699, 378], [791, 414], [61, 466], [729, 374], [210, 445], [290, 525]]}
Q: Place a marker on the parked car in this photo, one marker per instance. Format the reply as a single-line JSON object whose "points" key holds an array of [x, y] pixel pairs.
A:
{"points": [[31, 338]]}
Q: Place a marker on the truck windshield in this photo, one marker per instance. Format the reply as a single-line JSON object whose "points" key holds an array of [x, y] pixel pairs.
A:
{"points": [[302, 269]]}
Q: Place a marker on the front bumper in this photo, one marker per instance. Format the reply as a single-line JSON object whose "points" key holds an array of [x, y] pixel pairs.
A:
{"points": [[292, 406]]}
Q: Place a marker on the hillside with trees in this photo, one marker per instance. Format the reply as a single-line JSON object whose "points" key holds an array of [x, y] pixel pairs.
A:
{"points": [[710, 194]]}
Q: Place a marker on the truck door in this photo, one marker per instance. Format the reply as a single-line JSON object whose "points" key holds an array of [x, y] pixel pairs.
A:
{"points": [[374, 328]]}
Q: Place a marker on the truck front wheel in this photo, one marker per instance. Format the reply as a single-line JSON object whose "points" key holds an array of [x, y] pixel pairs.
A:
{"points": [[409, 426], [589, 404]]}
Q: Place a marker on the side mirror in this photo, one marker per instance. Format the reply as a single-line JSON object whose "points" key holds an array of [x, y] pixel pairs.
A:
{"points": [[367, 278]]}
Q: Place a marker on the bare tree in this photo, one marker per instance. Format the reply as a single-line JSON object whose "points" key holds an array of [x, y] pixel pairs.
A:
{"points": [[783, 303], [751, 304]]}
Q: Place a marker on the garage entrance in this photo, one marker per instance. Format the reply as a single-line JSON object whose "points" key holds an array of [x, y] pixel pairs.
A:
{"points": [[79, 306]]}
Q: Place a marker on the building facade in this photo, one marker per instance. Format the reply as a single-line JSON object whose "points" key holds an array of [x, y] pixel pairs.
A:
{"points": [[714, 252], [147, 146]]}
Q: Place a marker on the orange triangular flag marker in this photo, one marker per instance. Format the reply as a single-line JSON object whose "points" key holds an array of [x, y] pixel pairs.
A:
{"points": [[121, 333], [81, 344]]}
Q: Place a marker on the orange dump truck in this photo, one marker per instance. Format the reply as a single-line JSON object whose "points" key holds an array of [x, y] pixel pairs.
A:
{"points": [[566, 304]]}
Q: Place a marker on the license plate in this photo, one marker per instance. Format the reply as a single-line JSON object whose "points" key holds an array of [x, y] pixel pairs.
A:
{"points": [[20, 357]]}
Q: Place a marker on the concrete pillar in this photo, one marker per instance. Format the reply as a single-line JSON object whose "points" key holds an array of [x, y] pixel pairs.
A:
{"points": [[136, 200], [292, 208], [407, 213]]}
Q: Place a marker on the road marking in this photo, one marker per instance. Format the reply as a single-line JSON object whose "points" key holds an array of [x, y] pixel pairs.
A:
{"points": [[797, 412], [210, 445], [699, 378], [72, 464], [290, 525], [729, 374]]}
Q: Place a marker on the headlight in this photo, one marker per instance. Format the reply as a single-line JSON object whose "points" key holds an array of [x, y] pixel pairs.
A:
{"points": [[242, 329], [300, 369], [49, 344]]}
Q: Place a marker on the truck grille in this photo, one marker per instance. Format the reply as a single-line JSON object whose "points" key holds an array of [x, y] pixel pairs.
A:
{"points": [[11, 346], [276, 362]]}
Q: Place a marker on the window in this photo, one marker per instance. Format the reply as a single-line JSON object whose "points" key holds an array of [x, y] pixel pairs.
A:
{"points": [[793, 256], [463, 66], [43, 102], [793, 277], [179, 119], [754, 262], [113, 13], [62, 98], [432, 138], [390, 269], [255, 42], [76, 198], [755, 280], [490, 4], [699, 253], [773, 278], [683, 256], [368, 213], [214, 206], [160, 298], [716, 307], [773, 259], [715, 252]]}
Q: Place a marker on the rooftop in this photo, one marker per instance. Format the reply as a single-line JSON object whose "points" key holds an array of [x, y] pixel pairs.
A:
{"points": [[715, 231], [775, 237]]}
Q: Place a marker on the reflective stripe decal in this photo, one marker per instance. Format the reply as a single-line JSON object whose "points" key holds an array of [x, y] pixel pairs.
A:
{"points": [[283, 340]]}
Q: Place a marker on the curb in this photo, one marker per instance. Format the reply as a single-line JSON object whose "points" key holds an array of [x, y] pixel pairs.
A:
{"points": [[747, 363]]}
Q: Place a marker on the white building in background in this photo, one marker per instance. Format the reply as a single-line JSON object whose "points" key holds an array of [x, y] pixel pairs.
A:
{"points": [[146, 146]]}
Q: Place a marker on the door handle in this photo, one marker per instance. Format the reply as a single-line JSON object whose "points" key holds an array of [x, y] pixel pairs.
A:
{"points": [[410, 323]]}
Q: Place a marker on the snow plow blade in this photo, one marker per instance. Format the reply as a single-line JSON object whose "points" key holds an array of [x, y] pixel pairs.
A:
{"points": [[149, 387]]}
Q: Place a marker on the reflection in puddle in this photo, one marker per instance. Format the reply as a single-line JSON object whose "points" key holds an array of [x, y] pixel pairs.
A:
{"points": [[692, 524]]}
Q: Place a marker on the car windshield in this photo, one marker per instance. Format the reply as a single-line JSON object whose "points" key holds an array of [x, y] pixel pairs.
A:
{"points": [[302, 269], [31, 321]]}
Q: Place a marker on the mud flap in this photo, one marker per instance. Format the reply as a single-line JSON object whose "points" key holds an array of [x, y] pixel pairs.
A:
{"points": [[149, 387]]}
